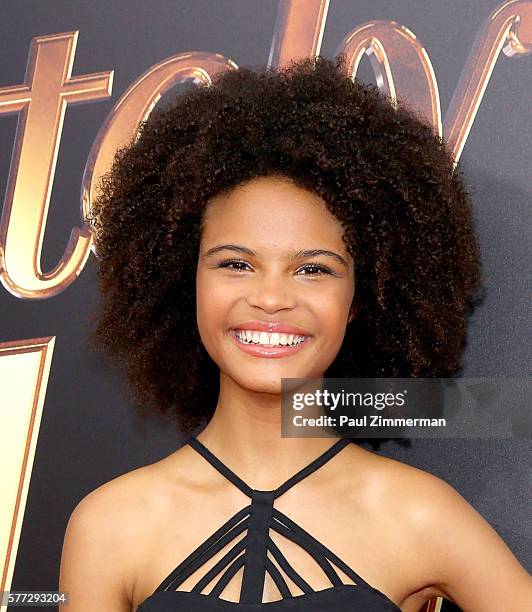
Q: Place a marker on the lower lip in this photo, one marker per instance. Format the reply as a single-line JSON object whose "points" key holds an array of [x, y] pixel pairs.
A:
{"points": [[273, 352]]}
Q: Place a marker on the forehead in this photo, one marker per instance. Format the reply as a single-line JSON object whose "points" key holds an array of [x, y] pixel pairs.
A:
{"points": [[272, 212]]}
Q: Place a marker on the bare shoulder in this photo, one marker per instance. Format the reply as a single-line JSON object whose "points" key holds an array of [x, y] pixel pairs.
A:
{"points": [[463, 557], [414, 492], [101, 547]]}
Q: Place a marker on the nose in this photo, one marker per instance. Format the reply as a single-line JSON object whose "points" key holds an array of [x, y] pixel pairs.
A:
{"points": [[271, 293]]}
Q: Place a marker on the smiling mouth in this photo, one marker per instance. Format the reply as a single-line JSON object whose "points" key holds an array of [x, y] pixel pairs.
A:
{"points": [[263, 344], [261, 338]]}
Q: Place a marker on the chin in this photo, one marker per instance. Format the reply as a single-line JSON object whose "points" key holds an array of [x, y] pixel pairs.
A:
{"points": [[264, 380], [270, 389], [259, 384]]}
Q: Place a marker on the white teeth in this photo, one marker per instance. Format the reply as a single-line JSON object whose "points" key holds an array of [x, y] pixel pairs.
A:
{"points": [[263, 338]]}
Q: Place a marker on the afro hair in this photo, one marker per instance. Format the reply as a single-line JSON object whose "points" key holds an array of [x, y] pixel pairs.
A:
{"points": [[383, 172]]}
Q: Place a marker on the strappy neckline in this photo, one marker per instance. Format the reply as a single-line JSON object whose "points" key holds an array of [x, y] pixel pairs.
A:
{"points": [[305, 471], [260, 551]]}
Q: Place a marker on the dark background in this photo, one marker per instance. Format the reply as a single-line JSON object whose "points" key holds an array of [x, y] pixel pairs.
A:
{"points": [[89, 432]]}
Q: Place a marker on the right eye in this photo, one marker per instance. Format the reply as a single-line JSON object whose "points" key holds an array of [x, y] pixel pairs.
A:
{"points": [[234, 264]]}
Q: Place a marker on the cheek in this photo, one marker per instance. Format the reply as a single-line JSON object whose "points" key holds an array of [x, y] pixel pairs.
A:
{"points": [[212, 304], [204, 308], [331, 309], [331, 314]]}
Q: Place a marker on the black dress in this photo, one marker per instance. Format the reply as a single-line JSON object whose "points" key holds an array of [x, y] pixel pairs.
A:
{"points": [[250, 552]]}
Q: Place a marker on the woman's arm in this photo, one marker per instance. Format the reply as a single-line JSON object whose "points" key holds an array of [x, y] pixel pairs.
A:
{"points": [[472, 563], [93, 558]]}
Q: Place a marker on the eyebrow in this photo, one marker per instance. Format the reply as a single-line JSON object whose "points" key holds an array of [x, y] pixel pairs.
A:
{"points": [[299, 254]]}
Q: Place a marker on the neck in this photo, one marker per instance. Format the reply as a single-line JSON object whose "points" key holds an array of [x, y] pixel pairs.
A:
{"points": [[245, 433]]}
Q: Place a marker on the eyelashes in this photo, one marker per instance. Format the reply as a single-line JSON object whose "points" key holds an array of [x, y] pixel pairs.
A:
{"points": [[311, 269]]}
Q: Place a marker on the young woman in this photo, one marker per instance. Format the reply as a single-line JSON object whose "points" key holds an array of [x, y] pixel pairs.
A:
{"points": [[281, 224]]}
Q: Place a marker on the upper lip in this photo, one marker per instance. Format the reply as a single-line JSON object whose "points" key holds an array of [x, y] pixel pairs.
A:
{"points": [[272, 327]]}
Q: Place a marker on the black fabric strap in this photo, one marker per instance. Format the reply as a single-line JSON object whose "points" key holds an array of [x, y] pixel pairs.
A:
{"points": [[216, 463], [313, 466], [245, 488], [211, 546]]}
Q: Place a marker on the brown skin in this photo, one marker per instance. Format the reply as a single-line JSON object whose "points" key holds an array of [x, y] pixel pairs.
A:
{"points": [[406, 532], [275, 219]]}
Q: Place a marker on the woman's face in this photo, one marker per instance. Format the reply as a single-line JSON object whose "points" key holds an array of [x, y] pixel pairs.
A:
{"points": [[274, 284]]}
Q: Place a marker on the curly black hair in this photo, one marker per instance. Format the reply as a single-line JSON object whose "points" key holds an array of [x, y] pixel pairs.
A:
{"points": [[382, 171]]}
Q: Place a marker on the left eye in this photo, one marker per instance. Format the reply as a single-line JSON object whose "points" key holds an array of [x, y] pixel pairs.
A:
{"points": [[314, 269]]}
